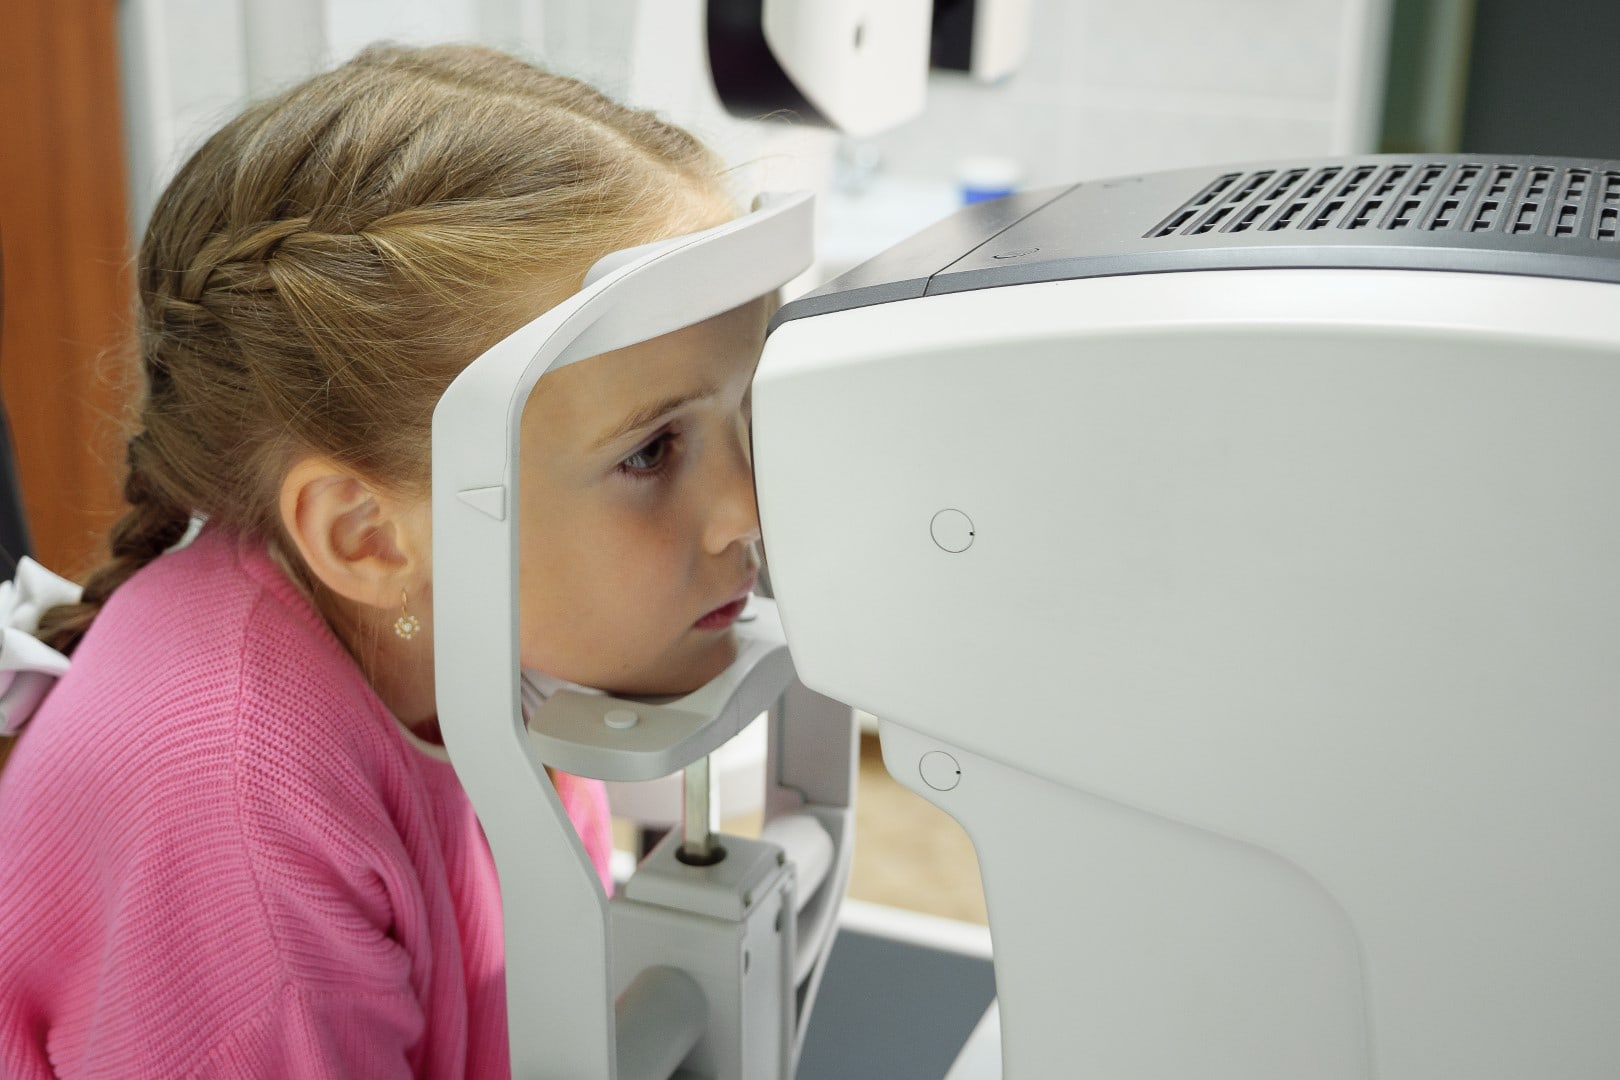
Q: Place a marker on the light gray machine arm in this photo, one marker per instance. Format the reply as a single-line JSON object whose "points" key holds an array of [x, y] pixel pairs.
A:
{"points": [[560, 978]]}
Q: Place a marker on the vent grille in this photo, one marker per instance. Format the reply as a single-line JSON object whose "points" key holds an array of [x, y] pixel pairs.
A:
{"points": [[1468, 197]]}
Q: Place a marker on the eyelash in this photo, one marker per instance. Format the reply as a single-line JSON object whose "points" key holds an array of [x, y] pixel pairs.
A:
{"points": [[664, 442]]}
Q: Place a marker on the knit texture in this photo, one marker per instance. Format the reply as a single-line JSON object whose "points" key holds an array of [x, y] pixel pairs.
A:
{"points": [[220, 855]]}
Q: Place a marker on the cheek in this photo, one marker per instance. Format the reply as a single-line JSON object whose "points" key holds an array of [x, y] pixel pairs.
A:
{"points": [[608, 578], [650, 543]]}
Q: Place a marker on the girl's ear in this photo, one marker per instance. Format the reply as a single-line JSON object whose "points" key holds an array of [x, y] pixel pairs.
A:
{"points": [[363, 544]]}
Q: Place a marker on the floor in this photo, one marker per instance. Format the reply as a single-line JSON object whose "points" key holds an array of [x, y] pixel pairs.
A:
{"points": [[908, 853]]}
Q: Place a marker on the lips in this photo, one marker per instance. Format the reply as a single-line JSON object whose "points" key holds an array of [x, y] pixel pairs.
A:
{"points": [[726, 614]]}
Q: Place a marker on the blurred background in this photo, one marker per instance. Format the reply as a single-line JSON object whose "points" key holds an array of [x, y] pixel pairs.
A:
{"points": [[100, 100]]}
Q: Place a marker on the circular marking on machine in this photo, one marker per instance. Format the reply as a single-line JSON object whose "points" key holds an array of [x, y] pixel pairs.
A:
{"points": [[939, 770], [952, 530], [620, 719]]}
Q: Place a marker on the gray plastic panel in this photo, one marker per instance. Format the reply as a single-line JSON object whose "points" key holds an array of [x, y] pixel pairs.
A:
{"points": [[1532, 216], [903, 271]]}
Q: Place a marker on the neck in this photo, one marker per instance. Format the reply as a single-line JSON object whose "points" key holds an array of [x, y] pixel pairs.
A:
{"points": [[400, 671]]}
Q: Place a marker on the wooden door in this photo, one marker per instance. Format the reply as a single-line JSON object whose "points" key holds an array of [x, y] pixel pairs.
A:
{"points": [[64, 242]]}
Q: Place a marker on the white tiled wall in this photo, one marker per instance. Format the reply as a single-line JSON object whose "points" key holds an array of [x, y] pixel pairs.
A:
{"points": [[1112, 87]]}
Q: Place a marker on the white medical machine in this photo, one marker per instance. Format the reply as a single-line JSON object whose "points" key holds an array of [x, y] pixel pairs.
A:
{"points": [[1233, 553], [1236, 555], [860, 66]]}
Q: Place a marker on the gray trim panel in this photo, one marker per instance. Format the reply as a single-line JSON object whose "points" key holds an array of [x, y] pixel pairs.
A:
{"points": [[1234, 219], [904, 271]]}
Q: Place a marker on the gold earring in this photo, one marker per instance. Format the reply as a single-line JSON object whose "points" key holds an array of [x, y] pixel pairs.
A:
{"points": [[407, 625]]}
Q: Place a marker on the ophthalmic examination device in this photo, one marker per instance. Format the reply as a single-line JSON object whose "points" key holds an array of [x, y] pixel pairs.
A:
{"points": [[1236, 556]]}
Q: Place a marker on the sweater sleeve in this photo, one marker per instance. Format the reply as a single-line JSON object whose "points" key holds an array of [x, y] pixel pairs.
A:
{"points": [[370, 981], [233, 895], [586, 802], [220, 858], [323, 1036]]}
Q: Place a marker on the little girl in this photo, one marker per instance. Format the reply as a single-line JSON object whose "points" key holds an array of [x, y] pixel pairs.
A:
{"points": [[231, 843]]}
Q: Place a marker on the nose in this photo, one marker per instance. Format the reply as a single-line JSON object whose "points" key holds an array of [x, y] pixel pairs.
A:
{"points": [[734, 514]]}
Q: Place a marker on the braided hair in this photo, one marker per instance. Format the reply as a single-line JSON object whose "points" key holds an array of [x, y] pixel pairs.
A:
{"points": [[151, 526], [324, 265]]}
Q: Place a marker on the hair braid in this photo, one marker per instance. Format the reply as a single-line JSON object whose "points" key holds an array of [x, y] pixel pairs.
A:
{"points": [[151, 526]]}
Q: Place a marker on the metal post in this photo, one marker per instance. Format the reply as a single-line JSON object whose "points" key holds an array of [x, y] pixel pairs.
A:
{"points": [[698, 844]]}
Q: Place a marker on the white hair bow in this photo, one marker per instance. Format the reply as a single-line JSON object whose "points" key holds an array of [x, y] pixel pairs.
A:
{"points": [[28, 666]]}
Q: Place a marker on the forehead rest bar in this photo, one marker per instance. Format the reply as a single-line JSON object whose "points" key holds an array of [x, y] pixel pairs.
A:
{"points": [[629, 297]]}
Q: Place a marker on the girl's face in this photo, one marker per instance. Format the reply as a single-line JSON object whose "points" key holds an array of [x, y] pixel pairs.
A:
{"points": [[638, 529]]}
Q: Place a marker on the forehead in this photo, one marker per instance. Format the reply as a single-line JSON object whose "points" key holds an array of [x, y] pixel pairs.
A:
{"points": [[579, 403]]}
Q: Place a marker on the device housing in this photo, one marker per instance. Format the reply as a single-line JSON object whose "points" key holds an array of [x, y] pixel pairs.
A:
{"points": [[1235, 553]]}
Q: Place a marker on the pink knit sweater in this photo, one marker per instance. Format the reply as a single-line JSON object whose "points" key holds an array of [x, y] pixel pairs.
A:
{"points": [[220, 855]]}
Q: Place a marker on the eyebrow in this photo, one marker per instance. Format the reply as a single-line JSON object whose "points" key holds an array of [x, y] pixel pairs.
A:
{"points": [[648, 414]]}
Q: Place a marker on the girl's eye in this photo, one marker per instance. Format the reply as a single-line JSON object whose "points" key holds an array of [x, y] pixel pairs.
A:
{"points": [[650, 459]]}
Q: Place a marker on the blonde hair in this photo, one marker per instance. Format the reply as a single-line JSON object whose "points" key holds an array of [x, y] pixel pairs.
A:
{"points": [[325, 264]]}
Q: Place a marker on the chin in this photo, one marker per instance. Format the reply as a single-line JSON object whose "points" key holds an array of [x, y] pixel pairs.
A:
{"points": [[676, 678]]}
